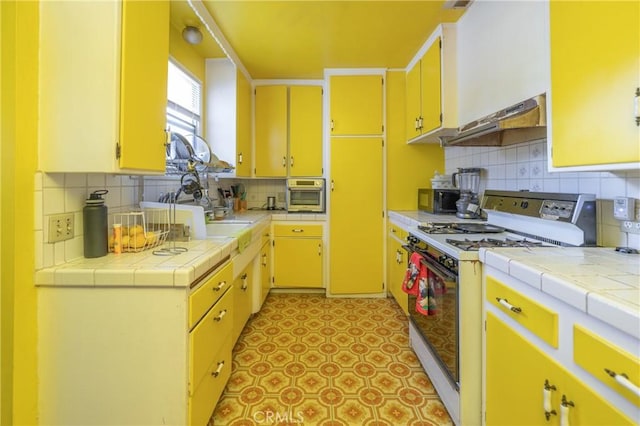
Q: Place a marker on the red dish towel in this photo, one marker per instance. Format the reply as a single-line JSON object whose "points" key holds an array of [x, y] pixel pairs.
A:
{"points": [[410, 282]]}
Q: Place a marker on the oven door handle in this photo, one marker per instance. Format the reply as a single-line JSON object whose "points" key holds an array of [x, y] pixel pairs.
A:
{"points": [[439, 269]]}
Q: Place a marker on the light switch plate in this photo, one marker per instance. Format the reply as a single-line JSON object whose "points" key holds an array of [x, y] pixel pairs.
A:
{"points": [[624, 208], [61, 227]]}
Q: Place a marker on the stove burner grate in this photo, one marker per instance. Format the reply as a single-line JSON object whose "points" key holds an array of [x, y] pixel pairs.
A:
{"points": [[471, 245]]}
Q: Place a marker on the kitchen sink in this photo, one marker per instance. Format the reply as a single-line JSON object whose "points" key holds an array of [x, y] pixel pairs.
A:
{"points": [[226, 229]]}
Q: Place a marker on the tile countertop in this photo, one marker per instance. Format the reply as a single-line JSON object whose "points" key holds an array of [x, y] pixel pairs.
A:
{"points": [[599, 281], [146, 269]]}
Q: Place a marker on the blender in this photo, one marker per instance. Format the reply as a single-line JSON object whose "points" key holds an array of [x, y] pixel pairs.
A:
{"points": [[467, 180]]}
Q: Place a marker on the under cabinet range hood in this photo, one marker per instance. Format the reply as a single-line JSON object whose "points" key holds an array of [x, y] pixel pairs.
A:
{"points": [[522, 122]]}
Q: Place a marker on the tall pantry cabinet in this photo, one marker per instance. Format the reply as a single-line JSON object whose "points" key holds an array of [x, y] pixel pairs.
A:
{"points": [[356, 185], [103, 91]]}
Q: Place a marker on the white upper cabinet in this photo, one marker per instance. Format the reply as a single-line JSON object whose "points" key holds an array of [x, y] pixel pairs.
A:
{"points": [[103, 86], [503, 56]]}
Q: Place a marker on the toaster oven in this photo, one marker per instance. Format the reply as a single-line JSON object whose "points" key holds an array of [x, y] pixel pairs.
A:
{"points": [[305, 195]]}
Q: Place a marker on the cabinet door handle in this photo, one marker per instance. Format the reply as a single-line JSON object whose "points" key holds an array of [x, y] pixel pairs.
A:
{"points": [[623, 379], [220, 315], [319, 249], [398, 257], [291, 162], [506, 304], [264, 260], [284, 161], [297, 230], [240, 158], [636, 106], [218, 370], [332, 185], [564, 411], [244, 282], [415, 124], [219, 286], [420, 123], [546, 401], [332, 125]]}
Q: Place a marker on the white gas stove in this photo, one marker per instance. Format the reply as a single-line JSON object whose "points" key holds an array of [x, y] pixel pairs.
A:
{"points": [[449, 251]]}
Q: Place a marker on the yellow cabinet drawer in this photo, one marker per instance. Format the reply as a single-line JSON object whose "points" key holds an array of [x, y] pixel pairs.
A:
{"points": [[206, 295], [203, 402], [397, 231], [597, 355], [297, 230], [206, 338], [538, 319]]}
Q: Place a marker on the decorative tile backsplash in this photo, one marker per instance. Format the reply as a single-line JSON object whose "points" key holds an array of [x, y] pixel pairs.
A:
{"points": [[66, 193], [511, 168], [524, 167], [257, 189]]}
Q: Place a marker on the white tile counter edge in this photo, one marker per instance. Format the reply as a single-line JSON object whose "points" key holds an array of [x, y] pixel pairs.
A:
{"points": [[146, 269], [601, 304]]}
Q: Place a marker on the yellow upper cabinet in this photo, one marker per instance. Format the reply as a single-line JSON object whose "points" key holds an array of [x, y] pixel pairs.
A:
{"points": [[431, 89], [103, 86], [595, 72], [356, 105], [271, 130], [229, 114], [305, 131], [288, 131], [243, 125]]}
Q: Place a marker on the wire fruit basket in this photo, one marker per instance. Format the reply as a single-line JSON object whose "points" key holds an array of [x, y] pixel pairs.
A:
{"points": [[139, 230]]}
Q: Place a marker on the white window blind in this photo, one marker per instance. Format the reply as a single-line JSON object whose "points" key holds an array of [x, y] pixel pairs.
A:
{"points": [[184, 101]]}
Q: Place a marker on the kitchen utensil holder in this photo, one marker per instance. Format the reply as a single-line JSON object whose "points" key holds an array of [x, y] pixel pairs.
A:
{"points": [[141, 230]]}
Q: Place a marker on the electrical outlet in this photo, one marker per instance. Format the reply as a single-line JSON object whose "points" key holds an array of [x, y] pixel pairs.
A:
{"points": [[61, 227], [630, 227]]}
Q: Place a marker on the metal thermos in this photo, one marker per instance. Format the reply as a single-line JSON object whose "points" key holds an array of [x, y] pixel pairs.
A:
{"points": [[271, 203], [95, 225]]}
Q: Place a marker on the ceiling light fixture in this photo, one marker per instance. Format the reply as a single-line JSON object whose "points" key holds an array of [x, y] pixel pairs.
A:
{"points": [[192, 35]]}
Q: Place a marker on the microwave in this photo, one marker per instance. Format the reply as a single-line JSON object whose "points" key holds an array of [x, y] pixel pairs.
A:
{"points": [[438, 201], [305, 195]]}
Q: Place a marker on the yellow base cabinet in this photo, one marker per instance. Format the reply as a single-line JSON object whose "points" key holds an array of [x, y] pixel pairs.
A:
{"points": [[356, 105], [288, 131], [298, 256], [229, 114], [525, 386], [356, 216], [243, 301], [595, 58], [265, 273], [397, 264], [103, 93]]}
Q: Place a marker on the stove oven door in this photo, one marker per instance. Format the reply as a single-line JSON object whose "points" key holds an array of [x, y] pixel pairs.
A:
{"points": [[434, 312]]}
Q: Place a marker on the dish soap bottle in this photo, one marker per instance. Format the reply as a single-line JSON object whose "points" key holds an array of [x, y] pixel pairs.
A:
{"points": [[95, 226]]}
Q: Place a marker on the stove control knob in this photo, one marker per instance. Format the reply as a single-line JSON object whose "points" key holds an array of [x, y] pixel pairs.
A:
{"points": [[447, 261]]}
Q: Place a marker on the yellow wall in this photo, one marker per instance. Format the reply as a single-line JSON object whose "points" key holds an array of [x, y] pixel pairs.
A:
{"points": [[19, 159], [186, 56], [409, 167]]}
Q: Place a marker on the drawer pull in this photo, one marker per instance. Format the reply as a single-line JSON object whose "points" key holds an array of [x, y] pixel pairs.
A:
{"points": [[219, 286], [546, 400], [220, 315], [623, 379], [219, 370], [564, 411], [245, 286], [506, 304], [297, 230]]}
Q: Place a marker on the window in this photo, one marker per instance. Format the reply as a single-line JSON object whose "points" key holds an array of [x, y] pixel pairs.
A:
{"points": [[183, 103]]}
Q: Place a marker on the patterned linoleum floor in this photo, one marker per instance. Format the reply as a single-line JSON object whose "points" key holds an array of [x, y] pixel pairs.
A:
{"points": [[306, 359]]}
